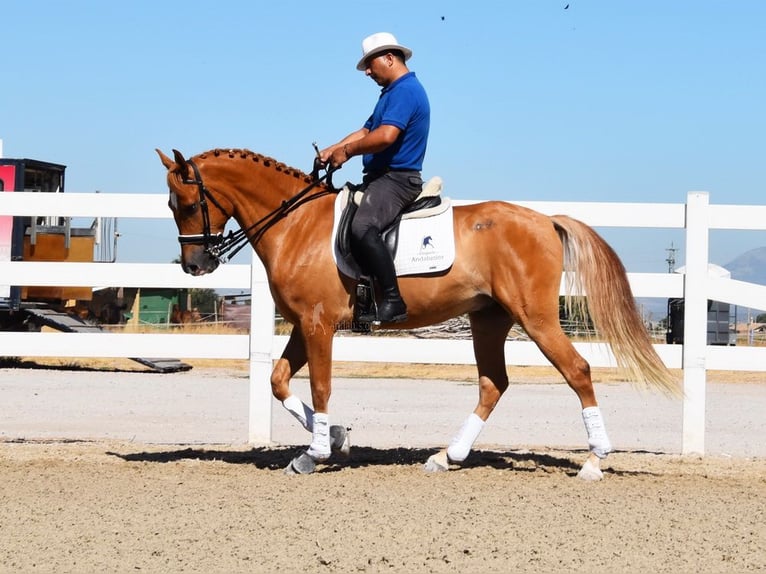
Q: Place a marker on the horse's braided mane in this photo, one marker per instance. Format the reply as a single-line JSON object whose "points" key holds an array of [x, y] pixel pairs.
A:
{"points": [[258, 158]]}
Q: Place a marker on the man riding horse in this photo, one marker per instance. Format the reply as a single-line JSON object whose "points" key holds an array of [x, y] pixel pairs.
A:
{"points": [[393, 144], [507, 267]]}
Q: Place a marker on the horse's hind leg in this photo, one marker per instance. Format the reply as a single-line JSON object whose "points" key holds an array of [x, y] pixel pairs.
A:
{"points": [[560, 351], [489, 328]]}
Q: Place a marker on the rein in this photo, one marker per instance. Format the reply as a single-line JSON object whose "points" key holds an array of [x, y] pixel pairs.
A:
{"points": [[223, 248]]}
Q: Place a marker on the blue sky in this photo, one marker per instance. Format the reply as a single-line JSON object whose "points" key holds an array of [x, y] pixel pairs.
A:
{"points": [[601, 101]]}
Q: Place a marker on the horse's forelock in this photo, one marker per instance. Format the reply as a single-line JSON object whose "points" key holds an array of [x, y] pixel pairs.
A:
{"points": [[246, 154]]}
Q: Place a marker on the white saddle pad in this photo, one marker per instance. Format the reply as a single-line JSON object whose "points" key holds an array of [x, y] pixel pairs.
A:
{"points": [[426, 244]]}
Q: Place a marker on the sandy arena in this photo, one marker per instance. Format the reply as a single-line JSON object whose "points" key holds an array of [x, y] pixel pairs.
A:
{"points": [[135, 472]]}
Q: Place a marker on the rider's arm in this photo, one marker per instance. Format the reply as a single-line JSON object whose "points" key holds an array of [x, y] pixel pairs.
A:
{"points": [[370, 142], [376, 140], [325, 154]]}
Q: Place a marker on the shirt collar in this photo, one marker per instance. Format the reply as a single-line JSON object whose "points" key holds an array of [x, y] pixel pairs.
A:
{"points": [[390, 86]]}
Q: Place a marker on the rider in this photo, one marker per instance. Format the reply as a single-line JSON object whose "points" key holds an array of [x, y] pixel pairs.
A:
{"points": [[393, 144]]}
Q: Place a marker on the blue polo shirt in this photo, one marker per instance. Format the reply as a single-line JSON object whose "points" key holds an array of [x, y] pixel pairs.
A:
{"points": [[403, 104]]}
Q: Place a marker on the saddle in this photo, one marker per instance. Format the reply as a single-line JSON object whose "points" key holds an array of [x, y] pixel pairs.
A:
{"points": [[428, 203]]}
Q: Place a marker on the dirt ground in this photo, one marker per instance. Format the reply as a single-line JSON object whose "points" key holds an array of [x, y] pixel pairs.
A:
{"points": [[126, 507], [82, 498]]}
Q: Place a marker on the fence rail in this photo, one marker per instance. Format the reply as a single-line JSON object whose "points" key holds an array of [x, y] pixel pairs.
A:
{"points": [[261, 346]]}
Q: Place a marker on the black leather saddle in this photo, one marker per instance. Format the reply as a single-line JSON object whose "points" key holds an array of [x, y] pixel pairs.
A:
{"points": [[427, 203]]}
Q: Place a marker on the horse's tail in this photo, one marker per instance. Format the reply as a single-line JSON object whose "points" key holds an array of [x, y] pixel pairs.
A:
{"points": [[593, 269]]}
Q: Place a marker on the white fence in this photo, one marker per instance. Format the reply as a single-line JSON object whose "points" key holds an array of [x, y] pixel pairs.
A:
{"points": [[697, 217]]}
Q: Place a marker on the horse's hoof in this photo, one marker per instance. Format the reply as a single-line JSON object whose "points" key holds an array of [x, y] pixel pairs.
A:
{"points": [[340, 440], [590, 471], [437, 462], [302, 464]]}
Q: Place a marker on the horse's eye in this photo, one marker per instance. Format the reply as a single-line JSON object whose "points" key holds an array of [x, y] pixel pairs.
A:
{"points": [[191, 209]]}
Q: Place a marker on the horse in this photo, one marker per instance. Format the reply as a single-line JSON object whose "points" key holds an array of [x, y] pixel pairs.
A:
{"points": [[508, 268], [179, 317]]}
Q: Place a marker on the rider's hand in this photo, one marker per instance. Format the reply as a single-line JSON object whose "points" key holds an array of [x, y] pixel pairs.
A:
{"points": [[324, 155], [339, 156]]}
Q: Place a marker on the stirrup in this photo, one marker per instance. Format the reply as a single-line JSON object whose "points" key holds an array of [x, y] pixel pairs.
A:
{"points": [[364, 307]]}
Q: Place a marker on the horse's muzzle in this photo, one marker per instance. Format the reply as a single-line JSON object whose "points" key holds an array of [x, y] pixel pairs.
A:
{"points": [[199, 262]]}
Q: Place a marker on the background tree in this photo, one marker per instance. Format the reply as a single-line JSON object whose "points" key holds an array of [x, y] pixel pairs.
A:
{"points": [[205, 300]]}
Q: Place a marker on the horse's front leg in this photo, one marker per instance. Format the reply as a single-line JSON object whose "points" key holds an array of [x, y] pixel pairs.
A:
{"points": [[318, 350], [293, 358]]}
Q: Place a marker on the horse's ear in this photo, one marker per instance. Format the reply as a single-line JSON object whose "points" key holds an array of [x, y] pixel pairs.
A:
{"points": [[183, 167], [166, 161], [179, 165]]}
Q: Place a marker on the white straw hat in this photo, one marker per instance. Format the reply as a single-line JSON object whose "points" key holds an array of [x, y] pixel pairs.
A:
{"points": [[380, 42]]}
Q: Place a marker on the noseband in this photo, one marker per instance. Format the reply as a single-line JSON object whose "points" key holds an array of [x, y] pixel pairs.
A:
{"points": [[217, 245]]}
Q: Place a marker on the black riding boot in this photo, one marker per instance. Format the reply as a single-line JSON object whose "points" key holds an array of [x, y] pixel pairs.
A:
{"points": [[376, 258]]}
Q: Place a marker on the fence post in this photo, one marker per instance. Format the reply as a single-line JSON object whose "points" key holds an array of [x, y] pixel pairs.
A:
{"points": [[261, 344], [695, 322]]}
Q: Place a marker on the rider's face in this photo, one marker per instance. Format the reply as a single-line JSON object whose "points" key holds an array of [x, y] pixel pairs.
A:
{"points": [[379, 68]]}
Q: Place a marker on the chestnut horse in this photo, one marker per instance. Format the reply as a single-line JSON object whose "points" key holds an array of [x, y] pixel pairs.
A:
{"points": [[508, 268]]}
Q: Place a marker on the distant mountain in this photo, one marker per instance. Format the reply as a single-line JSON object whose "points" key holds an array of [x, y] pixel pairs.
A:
{"points": [[750, 266]]}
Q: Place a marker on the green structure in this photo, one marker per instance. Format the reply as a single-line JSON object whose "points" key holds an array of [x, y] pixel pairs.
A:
{"points": [[155, 306]]}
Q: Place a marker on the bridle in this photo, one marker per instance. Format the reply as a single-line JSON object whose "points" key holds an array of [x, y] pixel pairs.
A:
{"points": [[223, 248], [209, 240]]}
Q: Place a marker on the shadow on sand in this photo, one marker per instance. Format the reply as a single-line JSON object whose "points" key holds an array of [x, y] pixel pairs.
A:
{"points": [[278, 457]]}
